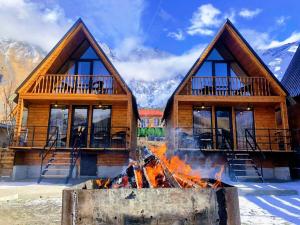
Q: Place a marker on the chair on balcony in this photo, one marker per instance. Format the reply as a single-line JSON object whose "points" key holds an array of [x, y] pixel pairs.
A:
{"points": [[98, 87], [119, 139], [101, 139], [205, 140]]}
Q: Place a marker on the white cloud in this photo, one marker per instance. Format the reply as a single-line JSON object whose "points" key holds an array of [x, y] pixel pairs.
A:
{"points": [[230, 15], [282, 20], [179, 36], [263, 40], [204, 19], [32, 22], [158, 67], [249, 14]]}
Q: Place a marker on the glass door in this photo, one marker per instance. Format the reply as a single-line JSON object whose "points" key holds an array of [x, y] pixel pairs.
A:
{"points": [[101, 121], [58, 125], [202, 127], [224, 128], [79, 124], [244, 120]]}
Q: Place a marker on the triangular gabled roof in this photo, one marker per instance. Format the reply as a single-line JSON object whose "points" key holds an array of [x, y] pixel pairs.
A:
{"points": [[228, 29], [291, 78], [52, 56]]}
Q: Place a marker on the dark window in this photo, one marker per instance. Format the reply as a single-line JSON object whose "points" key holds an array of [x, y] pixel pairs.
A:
{"points": [[100, 134], [79, 123], [202, 128], [58, 125], [244, 120]]}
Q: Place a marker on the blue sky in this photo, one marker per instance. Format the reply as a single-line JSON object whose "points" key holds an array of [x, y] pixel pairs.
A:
{"points": [[172, 33]]}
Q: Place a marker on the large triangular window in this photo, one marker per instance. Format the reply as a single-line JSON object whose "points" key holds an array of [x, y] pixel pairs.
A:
{"points": [[219, 74], [86, 69]]}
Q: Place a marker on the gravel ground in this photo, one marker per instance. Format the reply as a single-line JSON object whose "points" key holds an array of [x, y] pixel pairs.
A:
{"points": [[32, 204]]}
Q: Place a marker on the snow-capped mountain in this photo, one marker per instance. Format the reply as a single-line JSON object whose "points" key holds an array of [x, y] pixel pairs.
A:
{"points": [[18, 59]]}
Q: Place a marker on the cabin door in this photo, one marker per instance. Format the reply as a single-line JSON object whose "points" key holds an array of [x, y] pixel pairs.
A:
{"points": [[224, 128], [100, 130], [79, 123], [88, 164]]}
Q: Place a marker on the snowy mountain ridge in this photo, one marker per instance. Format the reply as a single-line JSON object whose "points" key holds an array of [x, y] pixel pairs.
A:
{"points": [[18, 59]]}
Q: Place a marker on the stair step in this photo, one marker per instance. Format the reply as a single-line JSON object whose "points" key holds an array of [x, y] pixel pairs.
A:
{"points": [[55, 176], [249, 177], [245, 165], [59, 164], [56, 169], [239, 159]]}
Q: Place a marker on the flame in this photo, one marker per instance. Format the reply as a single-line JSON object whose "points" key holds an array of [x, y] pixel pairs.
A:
{"points": [[179, 169], [139, 178], [218, 177]]}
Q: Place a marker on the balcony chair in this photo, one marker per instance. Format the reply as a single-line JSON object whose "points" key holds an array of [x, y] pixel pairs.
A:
{"points": [[119, 139]]}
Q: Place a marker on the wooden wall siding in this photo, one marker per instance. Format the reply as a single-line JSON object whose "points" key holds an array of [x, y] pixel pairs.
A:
{"points": [[185, 115], [264, 118], [6, 162], [113, 158], [37, 124], [33, 157]]}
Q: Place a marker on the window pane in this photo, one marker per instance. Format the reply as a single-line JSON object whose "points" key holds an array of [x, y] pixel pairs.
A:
{"points": [[205, 70], [99, 68], [215, 55], [202, 128], [59, 121], [80, 120], [221, 69], [223, 132], [244, 120], [84, 68], [100, 134], [89, 54]]}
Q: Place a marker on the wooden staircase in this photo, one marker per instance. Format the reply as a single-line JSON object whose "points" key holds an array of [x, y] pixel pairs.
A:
{"points": [[242, 167], [59, 164]]}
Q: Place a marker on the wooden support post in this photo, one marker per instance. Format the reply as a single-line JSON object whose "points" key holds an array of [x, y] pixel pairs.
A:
{"points": [[129, 124], [213, 124], [90, 114], [69, 133], [234, 135], [19, 119], [285, 125], [175, 124]]}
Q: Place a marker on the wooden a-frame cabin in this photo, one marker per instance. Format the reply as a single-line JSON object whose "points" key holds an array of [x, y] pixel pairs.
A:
{"points": [[232, 109], [75, 115]]}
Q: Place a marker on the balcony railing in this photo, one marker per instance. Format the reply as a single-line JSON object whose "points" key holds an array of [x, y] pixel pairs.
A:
{"points": [[227, 86], [75, 84], [259, 139], [100, 137]]}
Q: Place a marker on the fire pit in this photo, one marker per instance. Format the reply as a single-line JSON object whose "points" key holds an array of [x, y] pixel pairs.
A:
{"points": [[153, 191]]}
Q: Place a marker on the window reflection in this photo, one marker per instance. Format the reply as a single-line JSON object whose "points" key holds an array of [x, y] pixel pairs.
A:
{"points": [[58, 125], [101, 121], [244, 120], [203, 128]]}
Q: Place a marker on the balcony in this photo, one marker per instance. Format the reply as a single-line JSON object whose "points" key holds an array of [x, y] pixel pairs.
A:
{"points": [[75, 84], [227, 86]]}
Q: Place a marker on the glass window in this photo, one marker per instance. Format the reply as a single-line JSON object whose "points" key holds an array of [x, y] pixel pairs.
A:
{"points": [[215, 55], [84, 68], [100, 133], [58, 125], [79, 122], [244, 120], [99, 68], [221, 69], [223, 125], [89, 54], [202, 128], [205, 70], [156, 122]]}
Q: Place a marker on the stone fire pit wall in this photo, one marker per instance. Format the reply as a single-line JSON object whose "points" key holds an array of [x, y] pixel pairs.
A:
{"points": [[163, 206]]}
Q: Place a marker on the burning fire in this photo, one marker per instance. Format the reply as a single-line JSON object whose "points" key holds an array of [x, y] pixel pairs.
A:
{"points": [[159, 171], [181, 171]]}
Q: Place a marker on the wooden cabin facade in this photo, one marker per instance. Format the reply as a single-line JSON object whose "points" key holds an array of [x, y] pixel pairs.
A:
{"points": [[74, 100], [230, 102]]}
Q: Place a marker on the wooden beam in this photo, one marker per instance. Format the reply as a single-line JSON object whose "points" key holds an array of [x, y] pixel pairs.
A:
{"points": [[234, 128], [85, 97], [285, 124], [230, 99], [69, 125]]}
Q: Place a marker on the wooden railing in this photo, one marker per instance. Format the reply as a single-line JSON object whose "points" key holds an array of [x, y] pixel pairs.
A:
{"points": [[223, 86], [75, 84]]}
